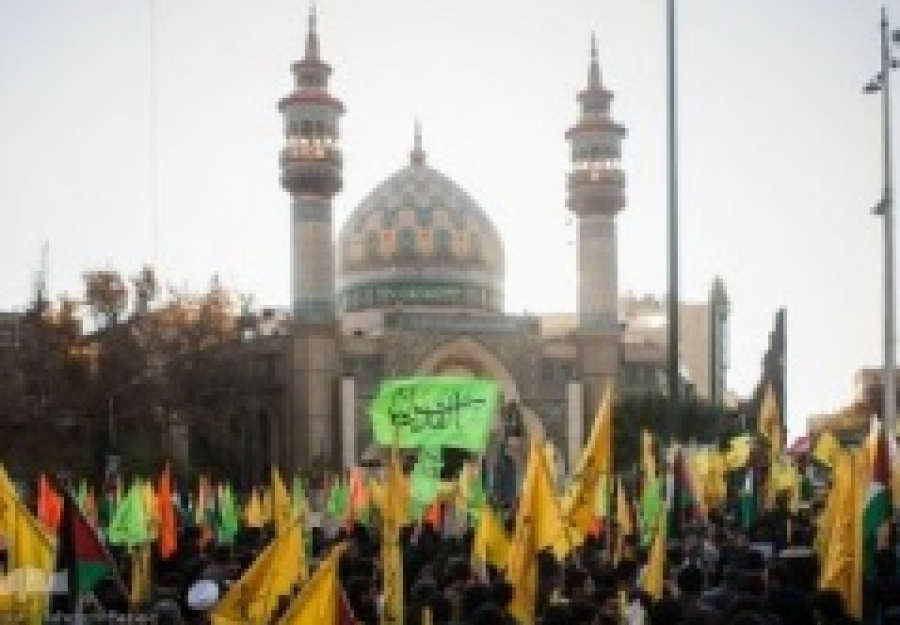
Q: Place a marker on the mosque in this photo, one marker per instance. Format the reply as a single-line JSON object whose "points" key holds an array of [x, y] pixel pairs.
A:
{"points": [[414, 285]]}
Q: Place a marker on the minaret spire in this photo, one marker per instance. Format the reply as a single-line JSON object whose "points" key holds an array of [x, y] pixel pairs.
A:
{"points": [[312, 38], [594, 71], [417, 156]]}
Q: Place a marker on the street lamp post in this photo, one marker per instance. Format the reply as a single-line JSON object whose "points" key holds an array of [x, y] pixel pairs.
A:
{"points": [[881, 83], [673, 371]]}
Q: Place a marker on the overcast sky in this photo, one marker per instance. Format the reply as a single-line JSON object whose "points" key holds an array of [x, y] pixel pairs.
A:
{"points": [[779, 153]]}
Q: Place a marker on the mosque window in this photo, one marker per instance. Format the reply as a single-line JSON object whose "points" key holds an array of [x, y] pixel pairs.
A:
{"points": [[406, 245], [388, 217], [424, 215], [442, 243]]}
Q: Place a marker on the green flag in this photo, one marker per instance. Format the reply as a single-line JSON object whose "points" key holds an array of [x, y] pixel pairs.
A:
{"points": [[336, 506], [229, 517], [650, 507], [129, 522], [82, 496], [434, 412]]}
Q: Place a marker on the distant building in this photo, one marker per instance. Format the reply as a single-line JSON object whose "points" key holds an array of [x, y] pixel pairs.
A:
{"points": [[850, 424]]}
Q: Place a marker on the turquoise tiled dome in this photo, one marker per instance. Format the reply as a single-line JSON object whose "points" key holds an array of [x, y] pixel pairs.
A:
{"points": [[418, 239]]}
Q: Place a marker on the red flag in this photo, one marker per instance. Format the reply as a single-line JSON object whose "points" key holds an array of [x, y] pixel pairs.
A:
{"points": [[434, 515], [165, 511], [49, 505]]}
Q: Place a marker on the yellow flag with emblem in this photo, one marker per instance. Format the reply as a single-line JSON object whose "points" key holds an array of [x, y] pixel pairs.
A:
{"points": [[539, 525], [580, 502], [254, 597], [319, 601], [30, 553]]}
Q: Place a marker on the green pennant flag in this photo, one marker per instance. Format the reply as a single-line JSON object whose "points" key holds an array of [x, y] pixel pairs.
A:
{"points": [[229, 517], [82, 496], [434, 412], [650, 508], [336, 506], [129, 522]]}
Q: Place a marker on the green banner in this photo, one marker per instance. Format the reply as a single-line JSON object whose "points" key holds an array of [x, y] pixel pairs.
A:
{"points": [[434, 412]]}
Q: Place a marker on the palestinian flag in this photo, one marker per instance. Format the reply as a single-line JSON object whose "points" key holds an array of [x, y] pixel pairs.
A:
{"points": [[877, 506], [80, 553]]}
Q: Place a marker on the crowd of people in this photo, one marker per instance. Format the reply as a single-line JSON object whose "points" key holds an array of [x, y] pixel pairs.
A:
{"points": [[715, 572]]}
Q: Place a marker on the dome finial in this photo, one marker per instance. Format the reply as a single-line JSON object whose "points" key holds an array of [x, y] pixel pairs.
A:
{"points": [[417, 156], [594, 72]]}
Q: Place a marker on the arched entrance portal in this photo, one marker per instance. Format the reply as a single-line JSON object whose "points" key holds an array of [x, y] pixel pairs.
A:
{"points": [[465, 356], [505, 456]]}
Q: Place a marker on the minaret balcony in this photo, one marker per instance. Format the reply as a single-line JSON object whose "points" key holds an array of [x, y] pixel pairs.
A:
{"points": [[596, 177], [320, 176], [311, 152]]}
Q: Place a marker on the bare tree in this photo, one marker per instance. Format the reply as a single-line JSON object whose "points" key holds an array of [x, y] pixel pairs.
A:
{"points": [[105, 295]]}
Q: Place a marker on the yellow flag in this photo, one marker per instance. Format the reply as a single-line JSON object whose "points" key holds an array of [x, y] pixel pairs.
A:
{"points": [[281, 503], [265, 505], [140, 575], [709, 470], [490, 544], [253, 514], [738, 453], [319, 601], [654, 576], [254, 597], [648, 457], [769, 423], [624, 521], [580, 503], [202, 503], [30, 552], [151, 509], [538, 525], [826, 449], [842, 565], [623, 512]]}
